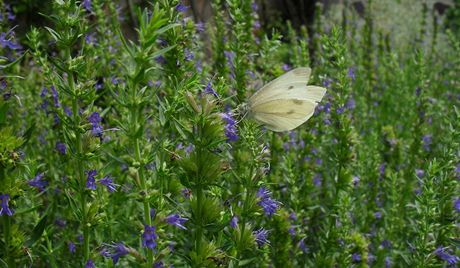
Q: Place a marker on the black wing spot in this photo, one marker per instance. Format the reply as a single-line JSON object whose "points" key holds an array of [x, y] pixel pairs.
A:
{"points": [[291, 112], [290, 87], [297, 102]]}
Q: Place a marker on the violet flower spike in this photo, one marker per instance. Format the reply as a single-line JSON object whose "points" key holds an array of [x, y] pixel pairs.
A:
{"points": [[90, 180], [443, 254], [149, 237], [261, 237], [269, 205]]}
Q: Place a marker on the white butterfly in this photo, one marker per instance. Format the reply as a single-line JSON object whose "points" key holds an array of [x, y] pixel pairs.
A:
{"points": [[286, 102]]}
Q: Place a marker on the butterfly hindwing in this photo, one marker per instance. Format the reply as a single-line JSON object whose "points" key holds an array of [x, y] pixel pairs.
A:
{"points": [[279, 123]]}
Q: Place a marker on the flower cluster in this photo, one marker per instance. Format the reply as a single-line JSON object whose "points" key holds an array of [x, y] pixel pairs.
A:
{"points": [[269, 205], [231, 130], [96, 128]]}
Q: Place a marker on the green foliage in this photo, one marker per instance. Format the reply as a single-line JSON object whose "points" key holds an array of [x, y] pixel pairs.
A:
{"points": [[130, 148]]}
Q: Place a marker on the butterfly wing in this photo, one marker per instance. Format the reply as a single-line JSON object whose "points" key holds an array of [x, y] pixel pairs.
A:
{"points": [[286, 102], [283, 115], [287, 83]]}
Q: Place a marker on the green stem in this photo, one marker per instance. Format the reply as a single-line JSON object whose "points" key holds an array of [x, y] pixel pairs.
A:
{"points": [[7, 234], [199, 229], [138, 158], [248, 196], [79, 164]]}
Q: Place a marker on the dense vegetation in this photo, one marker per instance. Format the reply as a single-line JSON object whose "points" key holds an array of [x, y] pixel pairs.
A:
{"points": [[131, 152]]}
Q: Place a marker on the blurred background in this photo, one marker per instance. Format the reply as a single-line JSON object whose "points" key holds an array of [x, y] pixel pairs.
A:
{"points": [[396, 17]]}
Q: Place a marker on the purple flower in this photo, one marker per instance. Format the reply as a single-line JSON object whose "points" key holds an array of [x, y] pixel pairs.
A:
{"points": [[351, 73], [181, 8], [378, 215], [87, 5], [317, 180], [90, 180], [120, 250], [96, 128], [340, 110], [386, 243], [115, 80], [55, 95], [149, 236], [356, 257], [355, 180], [72, 247], [370, 258], [5, 209], [186, 192], [418, 91], [382, 168], [99, 84], [159, 264], [56, 118], [426, 141], [107, 181], [67, 111], [327, 82], [209, 90], [230, 127], [234, 222], [61, 147], [91, 39], [200, 27], [387, 262], [60, 223], [188, 55], [176, 220], [419, 172], [38, 182], [286, 67], [160, 60], [457, 205], [269, 205], [293, 216], [291, 230], [90, 264], [230, 56], [443, 254], [105, 252], [351, 104], [261, 237], [254, 6], [94, 118], [302, 245], [5, 42]]}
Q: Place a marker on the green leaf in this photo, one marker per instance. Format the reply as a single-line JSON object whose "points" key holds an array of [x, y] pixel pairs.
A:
{"points": [[160, 52], [13, 63], [38, 230]]}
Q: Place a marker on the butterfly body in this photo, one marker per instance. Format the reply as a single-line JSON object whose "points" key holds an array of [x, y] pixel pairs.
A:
{"points": [[286, 102]]}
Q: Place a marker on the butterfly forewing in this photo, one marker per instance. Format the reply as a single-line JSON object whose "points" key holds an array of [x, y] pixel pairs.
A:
{"points": [[288, 83], [286, 102]]}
